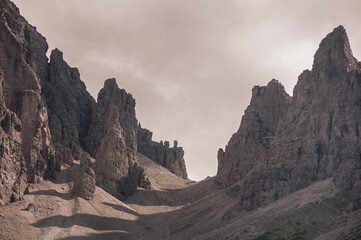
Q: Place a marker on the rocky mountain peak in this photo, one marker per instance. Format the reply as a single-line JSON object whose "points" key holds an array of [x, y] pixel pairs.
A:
{"points": [[110, 83], [111, 94], [69, 106], [273, 89], [56, 55], [284, 144], [112, 140], [258, 126], [334, 54]]}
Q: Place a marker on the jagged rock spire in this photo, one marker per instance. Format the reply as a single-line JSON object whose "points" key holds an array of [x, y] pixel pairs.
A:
{"points": [[316, 137], [112, 140], [334, 53], [251, 143]]}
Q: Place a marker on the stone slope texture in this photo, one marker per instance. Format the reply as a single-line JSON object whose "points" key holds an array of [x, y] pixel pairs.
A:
{"points": [[112, 140], [69, 106], [171, 158], [24, 65], [284, 144]]}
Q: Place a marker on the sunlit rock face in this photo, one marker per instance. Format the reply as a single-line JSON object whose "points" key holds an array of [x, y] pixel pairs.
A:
{"points": [[284, 143]]}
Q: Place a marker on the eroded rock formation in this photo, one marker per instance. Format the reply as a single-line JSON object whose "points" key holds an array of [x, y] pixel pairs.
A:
{"points": [[85, 179], [69, 106], [112, 140], [284, 144], [24, 65], [45, 104], [253, 138], [162, 153], [12, 164]]}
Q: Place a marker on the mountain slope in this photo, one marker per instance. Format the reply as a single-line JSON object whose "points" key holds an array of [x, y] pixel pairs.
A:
{"points": [[58, 214], [286, 143], [175, 210]]}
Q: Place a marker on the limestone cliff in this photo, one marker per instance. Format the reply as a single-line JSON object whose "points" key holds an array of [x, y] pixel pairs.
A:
{"points": [[112, 140], [283, 146], [69, 106], [253, 138], [45, 104], [162, 153], [12, 164], [24, 65]]}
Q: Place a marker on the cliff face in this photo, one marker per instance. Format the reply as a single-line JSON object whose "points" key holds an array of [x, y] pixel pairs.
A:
{"points": [[112, 140], [12, 164], [69, 106], [253, 138], [285, 144], [23, 62], [161, 153], [45, 104]]}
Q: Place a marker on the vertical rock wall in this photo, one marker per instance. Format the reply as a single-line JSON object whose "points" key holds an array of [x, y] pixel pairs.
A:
{"points": [[23, 62], [112, 140], [69, 106]]}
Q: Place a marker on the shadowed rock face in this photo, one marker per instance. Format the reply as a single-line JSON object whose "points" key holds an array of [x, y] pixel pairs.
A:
{"points": [[252, 140], [112, 140], [23, 62], [69, 106], [171, 158], [12, 164], [285, 145]]}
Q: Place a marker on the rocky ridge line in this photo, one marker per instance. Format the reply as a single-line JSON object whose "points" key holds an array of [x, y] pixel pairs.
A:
{"points": [[283, 146], [48, 118], [171, 158]]}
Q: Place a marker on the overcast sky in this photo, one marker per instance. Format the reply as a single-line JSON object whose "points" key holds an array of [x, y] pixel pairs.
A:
{"points": [[191, 64]]}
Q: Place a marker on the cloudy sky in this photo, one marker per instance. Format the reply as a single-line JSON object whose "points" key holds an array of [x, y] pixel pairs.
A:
{"points": [[191, 64]]}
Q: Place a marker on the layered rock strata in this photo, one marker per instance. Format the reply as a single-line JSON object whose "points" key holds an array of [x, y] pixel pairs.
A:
{"points": [[162, 153], [285, 144]]}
